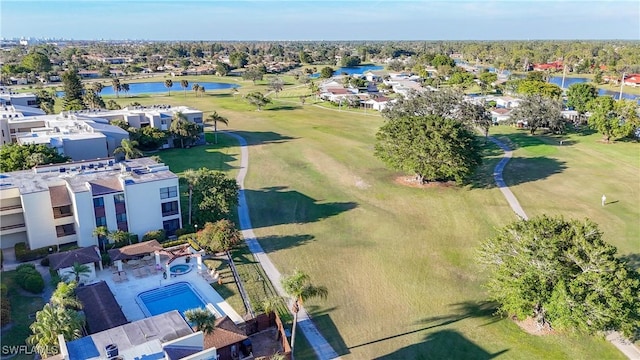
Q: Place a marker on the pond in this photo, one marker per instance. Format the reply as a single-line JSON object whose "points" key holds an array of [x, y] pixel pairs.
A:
{"points": [[352, 70], [158, 87], [568, 81]]}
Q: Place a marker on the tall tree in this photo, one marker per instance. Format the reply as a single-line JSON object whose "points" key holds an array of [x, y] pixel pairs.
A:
{"points": [[252, 74], [298, 285], [276, 84], [183, 129], [168, 84], [73, 91], [64, 296], [190, 176], [215, 196], [579, 95], [102, 233], [258, 99], [128, 149], [543, 88], [36, 62], [46, 100], [125, 88], [561, 272], [195, 88], [15, 157], [185, 85], [607, 118], [116, 86], [430, 146], [215, 118], [326, 72], [538, 111], [93, 99], [50, 322], [120, 236], [475, 115], [201, 319]]}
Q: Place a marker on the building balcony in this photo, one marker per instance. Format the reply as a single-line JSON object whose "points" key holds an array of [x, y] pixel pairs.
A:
{"points": [[10, 209], [12, 229]]}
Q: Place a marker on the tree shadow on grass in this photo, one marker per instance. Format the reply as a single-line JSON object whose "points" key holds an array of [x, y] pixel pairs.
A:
{"points": [[275, 243], [443, 344], [463, 310], [278, 206], [518, 170], [283, 107], [633, 260], [262, 137], [323, 321]]}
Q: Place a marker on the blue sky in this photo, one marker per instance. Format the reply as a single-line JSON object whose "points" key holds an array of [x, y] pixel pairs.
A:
{"points": [[321, 20]]}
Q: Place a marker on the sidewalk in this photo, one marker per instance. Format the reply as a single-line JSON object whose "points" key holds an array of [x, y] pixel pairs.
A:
{"points": [[320, 346], [626, 347]]}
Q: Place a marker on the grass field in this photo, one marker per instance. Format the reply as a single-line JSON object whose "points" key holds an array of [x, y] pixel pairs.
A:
{"points": [[399, 262]]}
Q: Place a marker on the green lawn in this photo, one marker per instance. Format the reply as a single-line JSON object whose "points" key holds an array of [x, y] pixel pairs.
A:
{"points": [[23, 309], [398, 261]]}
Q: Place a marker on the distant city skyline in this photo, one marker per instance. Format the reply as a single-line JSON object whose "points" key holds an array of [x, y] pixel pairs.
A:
{"points": [[265, 20]]}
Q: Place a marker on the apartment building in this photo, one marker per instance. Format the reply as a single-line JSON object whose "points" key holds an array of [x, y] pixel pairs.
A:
{"points": [[8, 97], [63, 203], [77, 136]]}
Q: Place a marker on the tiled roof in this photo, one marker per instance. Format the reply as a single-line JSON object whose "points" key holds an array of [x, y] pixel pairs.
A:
{"points": [[66, 259], [135, 250], [101, 309], [225, 334]]}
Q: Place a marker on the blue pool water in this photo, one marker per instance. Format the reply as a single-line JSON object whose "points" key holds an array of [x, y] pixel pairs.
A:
{"points": [[180, 269], [158, 87], [180, 296]]}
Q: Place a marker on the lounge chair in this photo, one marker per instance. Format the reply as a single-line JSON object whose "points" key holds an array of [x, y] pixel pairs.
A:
{"points": [[116, 278]]}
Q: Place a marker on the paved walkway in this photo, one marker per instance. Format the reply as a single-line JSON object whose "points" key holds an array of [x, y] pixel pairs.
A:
{"points": [[319, 344], [626, 347]]}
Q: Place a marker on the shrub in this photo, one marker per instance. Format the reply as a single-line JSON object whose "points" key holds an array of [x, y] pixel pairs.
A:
{"points": [[34, 283], [5, 316], [159, 235], [23, 254], [22, 271], [188, 229]]}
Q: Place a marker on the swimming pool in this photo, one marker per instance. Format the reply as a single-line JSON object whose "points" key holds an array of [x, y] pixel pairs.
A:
{"points": [[180, 269], [179, 296]]}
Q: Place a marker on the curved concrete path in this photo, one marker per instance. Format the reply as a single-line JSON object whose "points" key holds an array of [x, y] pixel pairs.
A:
{"points": [[626, 347], [319, 344]]}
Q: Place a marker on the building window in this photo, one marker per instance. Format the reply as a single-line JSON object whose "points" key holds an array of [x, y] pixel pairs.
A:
{"points": [[62, 211], [32, 102], [98, 202], [170, 208], [121, 217], [170, 226], [101, 221], [118, 198], [65, 230], [197, 120], [168, 192]]}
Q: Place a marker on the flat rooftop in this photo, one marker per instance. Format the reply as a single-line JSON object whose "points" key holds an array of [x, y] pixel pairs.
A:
{"points": [[80, 175]]}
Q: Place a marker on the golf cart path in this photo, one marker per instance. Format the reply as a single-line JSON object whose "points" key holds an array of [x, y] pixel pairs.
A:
{"points": [[626, 347], [319, 344]]}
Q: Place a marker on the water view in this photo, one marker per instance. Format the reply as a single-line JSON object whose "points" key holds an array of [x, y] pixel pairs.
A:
{"points": [[577, 80], [158, 87], [359, 70]]}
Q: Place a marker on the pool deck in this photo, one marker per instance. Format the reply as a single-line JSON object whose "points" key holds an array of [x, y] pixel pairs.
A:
{"points": [[126, 291]]}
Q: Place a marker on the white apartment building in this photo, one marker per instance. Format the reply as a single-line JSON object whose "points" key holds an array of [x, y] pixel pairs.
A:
{"points": [[64, 203], [76, 136], [8, 97]]}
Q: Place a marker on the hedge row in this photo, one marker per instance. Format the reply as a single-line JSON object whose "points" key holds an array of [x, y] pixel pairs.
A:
{"points": [[183, 239], [23, 254], [5, 306]]}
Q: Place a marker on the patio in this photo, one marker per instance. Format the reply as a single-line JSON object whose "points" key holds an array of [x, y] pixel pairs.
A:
{"points": [[136, 276]]}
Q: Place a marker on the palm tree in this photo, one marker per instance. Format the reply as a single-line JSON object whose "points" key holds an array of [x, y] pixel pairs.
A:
{"points": [[120, 236], [128, 148], [50, 322], [195, 88], [168, 84], [79, 269], [299, 287], [183, 128], [115, 84], [201, 90], [125, 88], [215, 118], [185, 85], [64, 296], [98, 87], [191, 177], [202, 319], [102, 233]]}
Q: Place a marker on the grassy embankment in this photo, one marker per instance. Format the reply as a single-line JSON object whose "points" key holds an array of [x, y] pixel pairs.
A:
{"points": [[398, 261]]}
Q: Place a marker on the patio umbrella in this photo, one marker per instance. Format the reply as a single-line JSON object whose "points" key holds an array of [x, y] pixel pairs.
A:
{"points": [[199, 261], [157, 258], [119, 265]]}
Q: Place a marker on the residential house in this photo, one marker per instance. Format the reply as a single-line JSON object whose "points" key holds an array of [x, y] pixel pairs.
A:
{"points": [[227, 339], [378, 103], [63, 203], [632, 80], [507, 102], [552, 66], [500, 115], [8, 97]]}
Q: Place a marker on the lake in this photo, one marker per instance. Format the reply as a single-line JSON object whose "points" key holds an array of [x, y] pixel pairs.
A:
{"points": [[352, 70], [568, 81], [158, 87]]}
